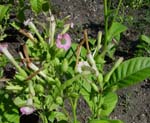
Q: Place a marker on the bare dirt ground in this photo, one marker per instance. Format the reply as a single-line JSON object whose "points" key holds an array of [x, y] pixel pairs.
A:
{"points": [[134, 102]]}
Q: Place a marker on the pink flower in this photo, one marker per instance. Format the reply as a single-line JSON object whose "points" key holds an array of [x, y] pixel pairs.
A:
{"points": [[26, 110], [63, 41], [4, 50]]}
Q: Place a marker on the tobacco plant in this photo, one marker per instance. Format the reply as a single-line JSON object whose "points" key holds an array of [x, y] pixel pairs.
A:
{"points": [[53, 72]]}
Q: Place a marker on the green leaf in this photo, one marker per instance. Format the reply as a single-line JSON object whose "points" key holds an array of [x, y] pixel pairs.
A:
{"points": [[3, 11], [115, 29], [86, 93], [111, 50], [105, 121], [109, 104], [19, 102], [14, 87], [36, 5], [21, 15], [115, 121], [92, 41], [131, 72], [21, 3], [65, 65], [99, 121], [12, 118], [62, 121], [57, 115], [145, 39], [46, 6]]}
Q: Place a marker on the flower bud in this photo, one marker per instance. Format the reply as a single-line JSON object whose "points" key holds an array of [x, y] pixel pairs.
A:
{"points": [[59, 53], [64, 66], [59, 100], [116, 65], [99, 40], [39, 88], [94, 86], [100, 80], [99, 59], [74, 95]]}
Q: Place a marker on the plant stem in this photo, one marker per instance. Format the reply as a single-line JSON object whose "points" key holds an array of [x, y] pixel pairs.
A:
{"points": [[31, 89], [105, 31], [106, 23], [74, 107], [106, 28], [117, 10], [33, 27], [86, 41], [66, 113], [99, 40], [70, 81], [52, 29], [116, 65], [11, 58], [99, 109]]}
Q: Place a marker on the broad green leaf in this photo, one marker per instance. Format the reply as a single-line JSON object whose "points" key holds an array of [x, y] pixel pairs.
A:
{"points": [[145, 38], [19, 102], [117, 38], [111, 50], [60, 116], [105, 121], [57, 115], [85, 92], [115, 121], [12, 118], [43, 117], [92, 41], [70, 81], [21, 15], [131, 72], [115, 29], [3, 11], [109, 104], [99, 121], [46, 6], [36, 5]]}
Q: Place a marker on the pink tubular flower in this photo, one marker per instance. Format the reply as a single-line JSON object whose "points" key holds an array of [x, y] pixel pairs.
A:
{"points": [[4, 50], [26, 110], [63, 41]]}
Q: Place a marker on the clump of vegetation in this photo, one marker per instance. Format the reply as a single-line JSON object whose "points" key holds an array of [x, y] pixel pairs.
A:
{"points": [[52, 68]]}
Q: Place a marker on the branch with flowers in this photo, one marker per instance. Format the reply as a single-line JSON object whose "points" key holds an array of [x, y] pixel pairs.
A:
{"points": [[53, 70]]}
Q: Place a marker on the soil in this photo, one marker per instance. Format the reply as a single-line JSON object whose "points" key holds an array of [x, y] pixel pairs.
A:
{"points": [[134, 102]]}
